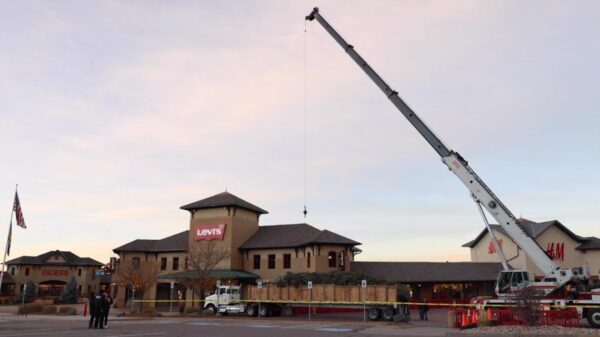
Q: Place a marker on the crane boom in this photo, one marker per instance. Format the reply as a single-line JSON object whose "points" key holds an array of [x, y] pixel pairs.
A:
{"points": [[480, 192]]}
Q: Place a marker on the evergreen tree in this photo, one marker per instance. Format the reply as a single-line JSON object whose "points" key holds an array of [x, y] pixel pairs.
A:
{"points": [[30, 292], [70, 294]]}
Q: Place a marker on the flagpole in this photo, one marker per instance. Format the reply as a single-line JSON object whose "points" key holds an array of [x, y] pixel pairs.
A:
{"points": [[12, 211]]}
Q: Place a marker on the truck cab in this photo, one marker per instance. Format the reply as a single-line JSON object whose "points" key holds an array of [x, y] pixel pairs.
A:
{"points": [[224, 296]]}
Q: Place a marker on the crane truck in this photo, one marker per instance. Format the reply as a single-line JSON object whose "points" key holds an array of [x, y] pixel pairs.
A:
{"points": [[509, 280]]}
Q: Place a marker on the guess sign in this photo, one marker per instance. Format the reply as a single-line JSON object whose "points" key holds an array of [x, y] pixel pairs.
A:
{"points": [[55, 272], [210, 232]]}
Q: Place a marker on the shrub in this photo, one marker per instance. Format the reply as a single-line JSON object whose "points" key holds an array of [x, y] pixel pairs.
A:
{"points": [[191, 310], [50, 309], [67, 310], [31, 308], [485, 322], [337, 278], [148, 311]]}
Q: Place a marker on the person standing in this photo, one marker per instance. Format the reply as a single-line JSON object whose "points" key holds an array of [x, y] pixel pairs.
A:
{"points": [[99, 310], [92, 309], [181, 302], [425, 309], [108, 301]]}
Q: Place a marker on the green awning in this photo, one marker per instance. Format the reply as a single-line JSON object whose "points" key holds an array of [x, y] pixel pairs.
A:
{"points": [[226, 274]]}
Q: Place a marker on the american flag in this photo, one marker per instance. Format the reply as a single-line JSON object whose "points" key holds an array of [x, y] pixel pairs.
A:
{"points": [[18, 212]]}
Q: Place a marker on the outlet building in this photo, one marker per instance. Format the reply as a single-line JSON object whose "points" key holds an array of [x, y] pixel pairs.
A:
{"points": [[256, 252], [50, 272]]}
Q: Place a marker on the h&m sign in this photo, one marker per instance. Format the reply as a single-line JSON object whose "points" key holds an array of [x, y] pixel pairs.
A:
{"points": [[556, 250], [492, 246], [209, 232]]}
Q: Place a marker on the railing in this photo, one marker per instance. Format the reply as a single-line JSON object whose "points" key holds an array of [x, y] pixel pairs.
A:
{"points": [[465, 318]]}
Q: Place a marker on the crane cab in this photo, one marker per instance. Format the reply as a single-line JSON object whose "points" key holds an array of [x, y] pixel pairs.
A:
{"points": [[510, 281]]}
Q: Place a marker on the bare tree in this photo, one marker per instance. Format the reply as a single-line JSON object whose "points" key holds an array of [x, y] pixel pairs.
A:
{"points": [[204, 256], [527, 305], [141, 275]]}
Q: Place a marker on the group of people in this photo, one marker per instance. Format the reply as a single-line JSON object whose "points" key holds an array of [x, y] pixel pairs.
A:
{"points": [[99, 307]]}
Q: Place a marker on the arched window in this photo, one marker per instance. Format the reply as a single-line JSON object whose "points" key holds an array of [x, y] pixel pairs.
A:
{"points": [[332, 257]]}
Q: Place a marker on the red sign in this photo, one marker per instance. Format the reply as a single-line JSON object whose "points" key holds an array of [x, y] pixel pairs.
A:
{"points": [[556, 250], [55, 272], [210, 232], [492, 246]]}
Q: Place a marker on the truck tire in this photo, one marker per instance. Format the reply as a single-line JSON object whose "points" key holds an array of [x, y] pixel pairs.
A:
{"points": [[373, 314], [387, 314], [211, 309], [252, 310], [264, 310], [593, 317]]}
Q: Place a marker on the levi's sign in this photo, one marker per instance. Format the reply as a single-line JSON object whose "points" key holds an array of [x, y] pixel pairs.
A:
{"points": [[210, 232]]}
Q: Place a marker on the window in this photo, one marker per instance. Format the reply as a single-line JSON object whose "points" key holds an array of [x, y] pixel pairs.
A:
{"points": [[27, 271], [163, 263], [308, 260], [185, 263], [135, 262], [332, 257], [79, 272], [287, 261], [175, 263], [256, 261], [271, 261], [12, 271]]}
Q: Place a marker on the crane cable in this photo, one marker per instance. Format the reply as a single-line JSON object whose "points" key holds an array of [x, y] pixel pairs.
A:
{"points": [[305, 119]]}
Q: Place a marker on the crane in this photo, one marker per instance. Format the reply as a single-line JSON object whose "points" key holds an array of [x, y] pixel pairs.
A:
{"points": [[555, 277]]}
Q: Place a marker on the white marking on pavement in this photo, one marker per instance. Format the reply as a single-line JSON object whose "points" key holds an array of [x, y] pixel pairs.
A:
{"points": [[334, 329], [38, 333], [205, 323], [140, 334], [261, 326]]}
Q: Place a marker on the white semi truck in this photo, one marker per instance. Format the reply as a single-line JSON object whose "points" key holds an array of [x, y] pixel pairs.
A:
{"points": [[555, 277], [272, 300]]}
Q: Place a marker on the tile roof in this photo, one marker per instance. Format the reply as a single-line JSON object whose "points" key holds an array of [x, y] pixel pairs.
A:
{"points": [[589, 243], [174, 243], [7, 278], [216, 273], [534, 230], [222, 200], [408, 272], [70, 258], [293, 235]]}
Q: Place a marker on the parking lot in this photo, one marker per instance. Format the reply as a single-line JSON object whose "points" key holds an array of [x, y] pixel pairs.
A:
{"points": [[345, 324]]}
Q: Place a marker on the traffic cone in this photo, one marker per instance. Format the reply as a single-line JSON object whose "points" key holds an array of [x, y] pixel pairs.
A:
{"points": [[463, 319]]}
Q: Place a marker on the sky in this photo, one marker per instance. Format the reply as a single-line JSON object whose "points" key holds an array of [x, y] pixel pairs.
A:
{"points": [[116, 113]]}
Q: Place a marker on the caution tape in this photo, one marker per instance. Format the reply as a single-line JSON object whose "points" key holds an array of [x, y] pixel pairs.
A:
{"points": [[337, 303]]}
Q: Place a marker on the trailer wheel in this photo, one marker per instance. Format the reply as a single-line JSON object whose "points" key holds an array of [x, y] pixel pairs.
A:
{"points": [[211, 309], [593, 317], [251, 310], [387, 314], [264, 311], [373, 314]]}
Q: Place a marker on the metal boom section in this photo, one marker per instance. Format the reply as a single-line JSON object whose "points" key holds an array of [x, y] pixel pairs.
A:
{"points": [[479, 190]]}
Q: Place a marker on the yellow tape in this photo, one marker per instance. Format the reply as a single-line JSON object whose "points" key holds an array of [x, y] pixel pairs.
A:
{"points": [[470, 305]]}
